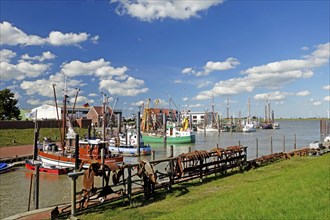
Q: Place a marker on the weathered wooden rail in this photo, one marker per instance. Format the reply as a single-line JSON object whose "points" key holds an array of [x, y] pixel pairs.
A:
{"points": [[130, 180], [144, 178]]}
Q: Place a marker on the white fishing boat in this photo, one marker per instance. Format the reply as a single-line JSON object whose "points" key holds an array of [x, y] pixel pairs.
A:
{"points": [[127, 145], [249, 128], [276, 125], [208, 128]]}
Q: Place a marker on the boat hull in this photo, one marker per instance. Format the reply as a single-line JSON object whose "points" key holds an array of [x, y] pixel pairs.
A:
{"points": [[169, 140], [4, 167], [68, 162], [51, 170], [130, 151]]}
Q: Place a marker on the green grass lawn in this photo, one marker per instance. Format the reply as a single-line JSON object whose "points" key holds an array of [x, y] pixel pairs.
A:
{"points": [[298, 188], [16, 137]]}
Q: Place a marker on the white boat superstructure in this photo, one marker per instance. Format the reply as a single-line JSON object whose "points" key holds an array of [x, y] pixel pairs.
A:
{"points": [[208, 128]]}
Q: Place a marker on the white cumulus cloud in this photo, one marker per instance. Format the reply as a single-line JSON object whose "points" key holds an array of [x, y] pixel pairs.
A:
{"points": [[211, 66], [327, 87], [44, 56], [11, 35], [276, 96], [303, 93], [272, 75], [6, 55], [130, 87], [149, 10]]}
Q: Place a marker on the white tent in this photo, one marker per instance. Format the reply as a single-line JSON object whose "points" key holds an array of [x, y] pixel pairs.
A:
{"points": [[45, 112]]}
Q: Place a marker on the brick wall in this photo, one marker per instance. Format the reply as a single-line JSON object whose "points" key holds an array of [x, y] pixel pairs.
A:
{"points": [[41, 124]]}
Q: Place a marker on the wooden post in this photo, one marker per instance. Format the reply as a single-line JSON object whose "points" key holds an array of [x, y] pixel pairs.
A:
{"points": [[245, 155], [164, 124], [76, 164], [153, 155], [257, 146], [102, 162], [218, 124], [138, 126], [36, 198], [171, 149], [189, 149], [204, 125], [283, 143], [295, 142], [129, 184], [35, 146], [201, 170], [271, 145], [171, 174], [73, 195], [31, 182]]}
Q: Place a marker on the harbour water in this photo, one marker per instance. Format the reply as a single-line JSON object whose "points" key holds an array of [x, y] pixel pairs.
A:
{"points": [[54, 190]]}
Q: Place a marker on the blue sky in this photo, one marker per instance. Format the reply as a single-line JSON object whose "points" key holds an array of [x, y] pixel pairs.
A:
{"points": [[190, 51]]}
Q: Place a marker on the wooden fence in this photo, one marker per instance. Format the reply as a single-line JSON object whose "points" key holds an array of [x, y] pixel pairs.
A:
{"points": [[146, 177]]}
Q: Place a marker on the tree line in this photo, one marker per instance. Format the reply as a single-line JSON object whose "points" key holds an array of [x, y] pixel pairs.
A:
{"points": [[8, 106]]}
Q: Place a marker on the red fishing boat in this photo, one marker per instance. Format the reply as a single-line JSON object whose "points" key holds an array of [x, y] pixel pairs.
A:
{"points": [[89, 151], [85, 151]]}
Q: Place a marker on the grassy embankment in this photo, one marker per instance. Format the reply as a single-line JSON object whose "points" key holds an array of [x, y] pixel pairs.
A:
{"points": [[298, 188], [16, 137]]}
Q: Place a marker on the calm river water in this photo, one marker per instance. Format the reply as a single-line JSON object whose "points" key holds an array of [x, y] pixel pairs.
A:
{"points": [[15, 186]]}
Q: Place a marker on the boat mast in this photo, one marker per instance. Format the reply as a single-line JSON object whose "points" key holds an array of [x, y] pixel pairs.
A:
{"points": [[74, 104], [105, 102], [64, 114], [249, 108], [58, 118], [213, 114], [227, 108]]}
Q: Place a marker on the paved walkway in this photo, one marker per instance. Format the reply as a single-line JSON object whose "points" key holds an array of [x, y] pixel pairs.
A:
{"points": [[15, 151]]}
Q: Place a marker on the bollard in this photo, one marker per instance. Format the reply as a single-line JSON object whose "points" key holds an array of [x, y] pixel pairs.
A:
{"points": [[189, 149], [171, 151], [74, 177], [295, 142]]}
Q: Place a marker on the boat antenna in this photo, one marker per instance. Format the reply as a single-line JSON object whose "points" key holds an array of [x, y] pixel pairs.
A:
{"points": [[64, 112]]}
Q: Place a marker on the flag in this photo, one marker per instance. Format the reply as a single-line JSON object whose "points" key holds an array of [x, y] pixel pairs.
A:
{"points": [[86, 105]]}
